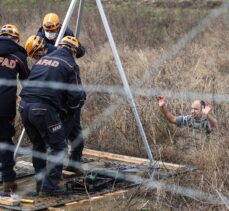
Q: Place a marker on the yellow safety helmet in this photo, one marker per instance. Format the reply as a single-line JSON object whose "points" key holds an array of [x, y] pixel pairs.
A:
{"points": [[11, 30], [70, 42], [33, 44], [51, 22]]}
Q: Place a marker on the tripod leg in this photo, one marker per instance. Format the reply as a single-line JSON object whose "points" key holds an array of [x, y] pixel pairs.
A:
{"points": [[19, 144]]}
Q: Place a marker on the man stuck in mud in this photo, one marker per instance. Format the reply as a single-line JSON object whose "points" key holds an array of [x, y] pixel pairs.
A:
{"points": [[200, 121]]}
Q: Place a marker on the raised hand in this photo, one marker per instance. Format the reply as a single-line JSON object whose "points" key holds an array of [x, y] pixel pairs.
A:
{"points": [[207, 108], [161, 101]]}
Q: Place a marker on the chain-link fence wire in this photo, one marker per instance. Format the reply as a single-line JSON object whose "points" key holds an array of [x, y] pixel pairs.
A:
{"points": [[222, 107], [149, 183]]}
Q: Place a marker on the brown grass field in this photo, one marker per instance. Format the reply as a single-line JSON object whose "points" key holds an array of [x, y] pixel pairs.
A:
{"points": [[143, 34]]}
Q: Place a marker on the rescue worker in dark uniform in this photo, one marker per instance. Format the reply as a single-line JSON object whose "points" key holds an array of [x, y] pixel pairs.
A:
{"points": [[40, 110], [36, 48], [73, 131], [13, 61], [50, 31]]}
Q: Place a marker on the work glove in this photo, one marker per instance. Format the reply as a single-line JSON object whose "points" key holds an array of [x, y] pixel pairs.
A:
{"points": [[80, 51]]}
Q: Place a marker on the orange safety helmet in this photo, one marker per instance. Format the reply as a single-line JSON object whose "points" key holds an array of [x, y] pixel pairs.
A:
{"points": [[33, 44], [70, 41], [51, 22], [11, 30]]}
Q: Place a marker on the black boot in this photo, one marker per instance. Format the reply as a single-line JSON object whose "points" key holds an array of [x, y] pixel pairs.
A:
{"points": [[38, 189]]}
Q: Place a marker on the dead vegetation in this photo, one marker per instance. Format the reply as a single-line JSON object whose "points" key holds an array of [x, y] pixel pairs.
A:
{"points": [[143, 36], [171, 3]]}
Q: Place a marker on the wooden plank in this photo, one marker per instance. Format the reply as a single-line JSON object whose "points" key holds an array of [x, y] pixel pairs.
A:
{"points": [[9, 201], [55, 209], [29, 201], [67, 174], [14, 202], [128, 159], [84, 201]]}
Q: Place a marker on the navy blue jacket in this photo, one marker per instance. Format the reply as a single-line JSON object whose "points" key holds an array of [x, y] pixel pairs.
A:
{"points": [[13, 61], [51, 48], [81, 50], [58, 66]]}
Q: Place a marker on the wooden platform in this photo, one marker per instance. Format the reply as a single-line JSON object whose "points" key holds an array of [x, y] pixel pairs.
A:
{"points": [[92, 160]]}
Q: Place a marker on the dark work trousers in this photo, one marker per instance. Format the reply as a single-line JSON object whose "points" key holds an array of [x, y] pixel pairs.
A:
{"points": [[73, 132], [7, 131], [44, 128]]}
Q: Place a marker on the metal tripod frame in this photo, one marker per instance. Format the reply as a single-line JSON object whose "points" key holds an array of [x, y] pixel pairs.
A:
{"points": [[118, 63]]}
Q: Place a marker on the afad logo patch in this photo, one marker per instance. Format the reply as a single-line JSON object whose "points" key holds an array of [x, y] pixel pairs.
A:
{"points": [[9, 63], [47, 62], [56, 128]]}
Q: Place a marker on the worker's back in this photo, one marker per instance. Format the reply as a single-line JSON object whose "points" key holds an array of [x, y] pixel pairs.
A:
{"points": [[12, 62], [58, 66]]}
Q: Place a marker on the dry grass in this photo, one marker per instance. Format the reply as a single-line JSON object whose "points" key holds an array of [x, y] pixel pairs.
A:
{"points": [[142, 37]]}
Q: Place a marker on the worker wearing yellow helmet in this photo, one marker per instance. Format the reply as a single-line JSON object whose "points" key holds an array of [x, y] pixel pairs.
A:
{"points": [[71, 121], [51, 28], [13, 62], [10, 31], [47, 129], [37, 47]]}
